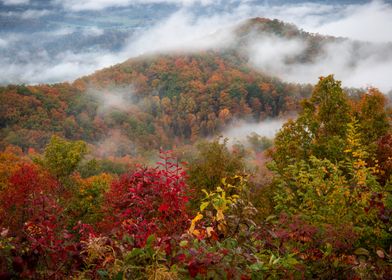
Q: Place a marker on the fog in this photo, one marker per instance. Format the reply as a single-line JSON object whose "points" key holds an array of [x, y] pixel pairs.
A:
{"points": [[65, 66], [204, 24], [15, 2], [357, 65], [77, 5], [241, 130], [114, 99], [184, 31], [115, 144]]}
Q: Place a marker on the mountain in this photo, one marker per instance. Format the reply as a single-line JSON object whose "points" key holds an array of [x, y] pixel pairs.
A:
{"points": [[159, 100]]}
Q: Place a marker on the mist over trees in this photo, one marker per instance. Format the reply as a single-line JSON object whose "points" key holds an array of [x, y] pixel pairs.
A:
{"points": [[212, 161]]}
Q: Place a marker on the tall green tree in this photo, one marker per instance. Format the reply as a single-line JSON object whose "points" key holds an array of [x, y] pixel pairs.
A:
{"points": [[320, 129]]}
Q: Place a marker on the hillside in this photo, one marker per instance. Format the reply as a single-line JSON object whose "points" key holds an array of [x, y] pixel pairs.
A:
{"points": [[172, 98], [160, 100]]}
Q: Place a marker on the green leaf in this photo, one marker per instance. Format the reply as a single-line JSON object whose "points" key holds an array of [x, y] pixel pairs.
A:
{"points": [[328, 249], [270, 217], [204, 205], [150, 240], [291, 261], [134, 253], [361, 251], [257, 266]]}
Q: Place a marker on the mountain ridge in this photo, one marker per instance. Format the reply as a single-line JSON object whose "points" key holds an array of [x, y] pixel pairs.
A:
{"points": [[173, 98]]}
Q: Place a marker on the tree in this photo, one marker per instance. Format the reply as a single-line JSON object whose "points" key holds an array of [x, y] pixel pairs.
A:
{"points": [[372, 116], [320, 129], [61, 157], [331, 107], [259, 143], [213, 162]]}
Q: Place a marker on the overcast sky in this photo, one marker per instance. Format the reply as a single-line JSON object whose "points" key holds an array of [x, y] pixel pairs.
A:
{"points": [[60, 40]]}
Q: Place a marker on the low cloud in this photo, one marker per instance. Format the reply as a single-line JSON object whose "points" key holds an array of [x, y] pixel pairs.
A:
{"points": [[189, 29], [64, 66], [28, 14], [15, 2], [110, 102], [356, 64], [77, 5], [93, 31], [184, 31], [116, 144], [7, 40], [368, 22], [362, 21], [113, 99], [272, 54], [241, 129]]}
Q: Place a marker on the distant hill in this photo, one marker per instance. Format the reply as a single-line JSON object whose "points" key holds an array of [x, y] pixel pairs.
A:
{"points": [[157, 100]]}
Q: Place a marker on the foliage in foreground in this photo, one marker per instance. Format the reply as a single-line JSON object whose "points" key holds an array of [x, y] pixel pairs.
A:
{"points": [[331, 196]]}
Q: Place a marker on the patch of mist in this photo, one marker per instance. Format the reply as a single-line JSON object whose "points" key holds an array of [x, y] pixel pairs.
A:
{"points": [[240, 131], [113, 99], [116, 144]]}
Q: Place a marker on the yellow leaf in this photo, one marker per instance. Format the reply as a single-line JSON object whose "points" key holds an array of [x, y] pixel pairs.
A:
{"points": [[193, 223], [222, 227], [219, 215], [209, 231], [196, 232]]}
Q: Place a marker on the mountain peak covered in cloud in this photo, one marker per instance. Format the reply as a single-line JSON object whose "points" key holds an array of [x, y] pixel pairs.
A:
{"points": [[53, 41]]}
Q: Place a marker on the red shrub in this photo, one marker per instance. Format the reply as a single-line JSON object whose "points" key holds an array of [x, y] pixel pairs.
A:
{"points": [[17, 202], [147, 201]]}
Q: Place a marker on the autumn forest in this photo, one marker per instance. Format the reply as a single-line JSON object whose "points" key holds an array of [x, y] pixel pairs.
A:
{"points": [[126, 173]]}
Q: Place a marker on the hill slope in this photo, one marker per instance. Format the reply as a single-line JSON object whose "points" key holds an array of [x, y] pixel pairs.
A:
{"points": [[156, 101], [185, 96]]}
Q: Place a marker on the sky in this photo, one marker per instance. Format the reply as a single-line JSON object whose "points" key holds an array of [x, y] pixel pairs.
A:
{"points": [[51, 41]]}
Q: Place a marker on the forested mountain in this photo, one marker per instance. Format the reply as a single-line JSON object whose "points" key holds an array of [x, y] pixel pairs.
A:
{"points": [[172, 98], [187, 96]]}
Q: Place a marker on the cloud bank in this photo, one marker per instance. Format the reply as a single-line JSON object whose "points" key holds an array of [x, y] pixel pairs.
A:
{"points": [[201, 24], [241, 130], [15, 2], [369, 22], [88, 5], [27, 14], [356, 64], [65, 66], [184, 31]]}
